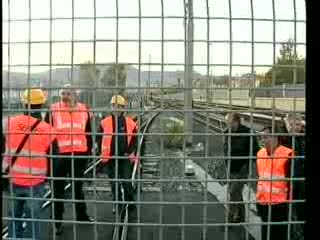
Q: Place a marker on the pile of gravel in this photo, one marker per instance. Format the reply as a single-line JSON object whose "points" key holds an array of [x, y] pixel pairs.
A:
{"points": [[172, 168]]}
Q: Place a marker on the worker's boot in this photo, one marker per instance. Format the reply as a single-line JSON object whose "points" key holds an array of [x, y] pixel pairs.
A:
{"points": [[113, 208], [233, 216], [131, 206], [59, 229], [238, 215], [85, 218]]}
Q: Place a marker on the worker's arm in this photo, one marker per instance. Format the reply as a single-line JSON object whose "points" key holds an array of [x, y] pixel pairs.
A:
{"points": [[255, 146], [3, 144], [133, 145], [53, 155], [48, 118], [225, 143], [290, 174], [99, 139], [4, 166], [298, 172], [89, 135]]}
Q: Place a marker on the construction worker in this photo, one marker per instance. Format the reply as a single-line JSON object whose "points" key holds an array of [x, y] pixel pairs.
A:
{"points": [[273, 191], [295, 125], [118, 145], [29, 141], [238, 168], [71, 121]]}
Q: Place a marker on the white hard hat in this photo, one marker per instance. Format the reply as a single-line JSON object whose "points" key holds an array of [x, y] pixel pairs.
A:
{"points": [[68, 87]]}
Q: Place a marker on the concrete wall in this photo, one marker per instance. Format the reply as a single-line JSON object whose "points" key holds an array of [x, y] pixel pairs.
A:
{"points": [[286, 104]]}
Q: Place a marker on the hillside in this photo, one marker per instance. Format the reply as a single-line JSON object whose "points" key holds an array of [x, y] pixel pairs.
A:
{"points": [[60, 76]]}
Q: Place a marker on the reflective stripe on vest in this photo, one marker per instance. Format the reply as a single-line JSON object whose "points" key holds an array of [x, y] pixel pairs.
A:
{"points": [[70, 143], [108, 133], [272, 187], [70, 127], [28, 170], [31, 165], [267, 177], [26, 153]]}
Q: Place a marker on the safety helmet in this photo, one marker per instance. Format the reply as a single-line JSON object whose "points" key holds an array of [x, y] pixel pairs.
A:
{"points": [[118, 99], [68, 87], [33, 96]]}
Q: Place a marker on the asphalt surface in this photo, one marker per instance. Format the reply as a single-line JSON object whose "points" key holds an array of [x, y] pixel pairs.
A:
{"points": [[150, 214], [174, 214]]}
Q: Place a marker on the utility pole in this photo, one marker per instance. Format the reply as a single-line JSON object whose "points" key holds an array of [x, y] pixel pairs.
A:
{"points": [[148, 85], [189, 74]]}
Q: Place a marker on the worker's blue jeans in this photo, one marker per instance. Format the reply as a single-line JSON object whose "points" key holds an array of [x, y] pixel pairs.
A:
{"points": [[30, 207]]}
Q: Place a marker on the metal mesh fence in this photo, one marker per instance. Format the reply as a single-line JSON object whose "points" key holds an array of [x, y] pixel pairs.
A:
{"points": [[201, 83]]}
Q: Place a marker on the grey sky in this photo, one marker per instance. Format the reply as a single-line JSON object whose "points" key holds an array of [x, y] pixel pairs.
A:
{"points": [[150, 30]]}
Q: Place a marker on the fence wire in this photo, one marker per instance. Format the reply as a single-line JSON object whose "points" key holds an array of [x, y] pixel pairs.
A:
{"points": [[183, 67]]}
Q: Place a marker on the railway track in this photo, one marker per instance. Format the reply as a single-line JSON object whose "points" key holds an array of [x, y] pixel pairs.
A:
{"points": [[150, 165], [216, 112], [260, 115], [120, 232]]}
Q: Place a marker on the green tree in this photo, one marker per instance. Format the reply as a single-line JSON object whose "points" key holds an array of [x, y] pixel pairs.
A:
{"points": [[266, 80], [287, 63], [92, 79], [88, 75], [88, 80], [115, 76]]}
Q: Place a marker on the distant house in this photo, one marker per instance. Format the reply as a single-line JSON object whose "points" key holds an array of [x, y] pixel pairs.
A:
{"points": [[245, 81]]}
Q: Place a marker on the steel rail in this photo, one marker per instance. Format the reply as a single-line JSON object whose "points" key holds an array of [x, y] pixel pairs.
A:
{"points": [[125, 211]]}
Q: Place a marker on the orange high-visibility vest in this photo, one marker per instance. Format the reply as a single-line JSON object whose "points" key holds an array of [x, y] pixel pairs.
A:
{"points": [[31, 166], [272, 189], [107, 125], [70, 125]]}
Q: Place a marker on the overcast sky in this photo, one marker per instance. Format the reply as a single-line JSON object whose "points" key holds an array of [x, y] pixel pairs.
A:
{"points": [[150, 30]]}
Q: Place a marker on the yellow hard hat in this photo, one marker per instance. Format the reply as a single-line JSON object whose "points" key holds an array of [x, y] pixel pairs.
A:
{"points": [[34, 96], [118, 99]]}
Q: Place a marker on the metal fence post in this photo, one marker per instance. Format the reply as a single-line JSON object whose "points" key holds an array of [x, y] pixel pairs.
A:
{"points": [[189, 74]]}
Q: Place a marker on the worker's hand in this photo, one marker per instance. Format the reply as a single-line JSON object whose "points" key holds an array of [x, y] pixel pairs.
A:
{"points": [[287, 124], [5, 181], [100, 168], [133, 158]]}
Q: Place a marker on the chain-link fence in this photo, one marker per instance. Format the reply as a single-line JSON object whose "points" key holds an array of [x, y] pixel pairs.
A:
{"points": [[204, 141]]}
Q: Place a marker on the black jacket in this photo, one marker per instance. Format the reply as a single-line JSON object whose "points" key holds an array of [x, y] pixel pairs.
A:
{"points": [[240, 147], [298, 168]]}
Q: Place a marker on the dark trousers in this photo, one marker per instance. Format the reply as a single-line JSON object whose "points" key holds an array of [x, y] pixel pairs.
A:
{"points": [[279, 213], [124, 172], [300, 213], [237, 211], [62, 168]]}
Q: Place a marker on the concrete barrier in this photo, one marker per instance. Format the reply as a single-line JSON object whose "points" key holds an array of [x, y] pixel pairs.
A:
{"points": [[286, 104]]}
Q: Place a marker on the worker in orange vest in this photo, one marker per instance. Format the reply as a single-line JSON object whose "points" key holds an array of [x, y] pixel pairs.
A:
{"points": [[71, 121], [118, 146], [274, 193], [29, 141]]}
